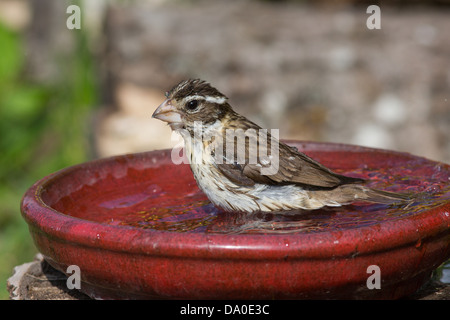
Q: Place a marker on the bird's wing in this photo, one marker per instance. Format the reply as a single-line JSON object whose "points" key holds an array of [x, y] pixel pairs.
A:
{"points": [[292, 166], [234, 172]]}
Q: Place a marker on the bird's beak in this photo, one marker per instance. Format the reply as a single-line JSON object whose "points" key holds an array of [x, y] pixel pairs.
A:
{"points": [[167, 112]]}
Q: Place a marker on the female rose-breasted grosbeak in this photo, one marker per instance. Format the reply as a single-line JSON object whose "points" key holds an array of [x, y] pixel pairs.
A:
{"points": [[256, 172]]}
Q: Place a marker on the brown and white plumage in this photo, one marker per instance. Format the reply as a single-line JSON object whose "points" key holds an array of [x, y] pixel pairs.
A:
{"points": [[240, 183]]}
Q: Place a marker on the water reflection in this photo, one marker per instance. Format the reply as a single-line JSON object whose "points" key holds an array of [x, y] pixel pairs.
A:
{"points": [[295, 221], [262, 222]]}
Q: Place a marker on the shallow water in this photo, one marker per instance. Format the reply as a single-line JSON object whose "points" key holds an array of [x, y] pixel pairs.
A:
{"points": [[199, 215]]}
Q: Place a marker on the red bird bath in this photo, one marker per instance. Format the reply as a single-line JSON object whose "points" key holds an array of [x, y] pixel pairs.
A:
{"points": [[137, 226]]}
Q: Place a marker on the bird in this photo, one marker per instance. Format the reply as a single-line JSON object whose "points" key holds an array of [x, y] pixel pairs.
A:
{"points": [[256, 172]]}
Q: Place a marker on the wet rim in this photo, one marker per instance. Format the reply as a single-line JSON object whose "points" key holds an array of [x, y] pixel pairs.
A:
{"points": [[384, 236]]}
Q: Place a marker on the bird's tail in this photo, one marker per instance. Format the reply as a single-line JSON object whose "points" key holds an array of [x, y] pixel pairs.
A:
{"points": [[386, 197], [349, 193]]}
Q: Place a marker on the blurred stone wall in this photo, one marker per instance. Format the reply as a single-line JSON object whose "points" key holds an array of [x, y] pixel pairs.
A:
{"points": [[315, 73], [311, 69]]}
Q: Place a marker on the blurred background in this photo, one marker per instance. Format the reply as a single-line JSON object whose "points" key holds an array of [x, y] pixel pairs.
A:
{"points": [[309, 68]]}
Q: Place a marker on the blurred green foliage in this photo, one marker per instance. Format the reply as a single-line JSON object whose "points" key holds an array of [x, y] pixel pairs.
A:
{"points": [[43, 128]]}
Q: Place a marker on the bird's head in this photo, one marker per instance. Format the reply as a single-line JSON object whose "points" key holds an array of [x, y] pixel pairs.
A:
{"points": [[192, 101]]}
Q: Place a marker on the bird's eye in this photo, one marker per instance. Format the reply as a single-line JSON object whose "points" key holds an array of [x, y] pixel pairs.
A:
{"points": [[192, 105]]}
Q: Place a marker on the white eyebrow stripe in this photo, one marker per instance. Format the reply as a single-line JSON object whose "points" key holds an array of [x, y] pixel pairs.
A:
{"points": [[218, 100]]}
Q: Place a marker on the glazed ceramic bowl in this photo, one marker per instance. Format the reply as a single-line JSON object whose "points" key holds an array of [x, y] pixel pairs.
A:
{"points": [[137, 226]]}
